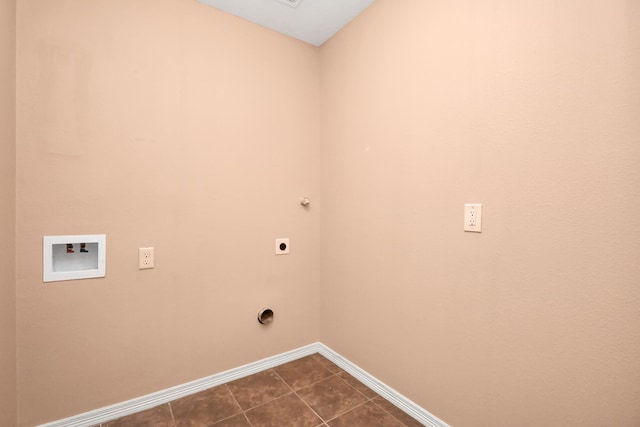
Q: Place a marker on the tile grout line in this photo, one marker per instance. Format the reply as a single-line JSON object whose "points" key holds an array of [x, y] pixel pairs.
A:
{"points": [[349, 410], [367, 399], [323, 422], [173, 418], [243, 412], [361, 393], [310, 384], [317, 351], [291, 391], [301, 399], [336, 374], [309, 406], [266, 401], [392, 416]]}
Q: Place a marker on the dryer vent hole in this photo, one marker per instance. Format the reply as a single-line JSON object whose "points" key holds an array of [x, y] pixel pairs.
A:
{"points": [[265, 316]]}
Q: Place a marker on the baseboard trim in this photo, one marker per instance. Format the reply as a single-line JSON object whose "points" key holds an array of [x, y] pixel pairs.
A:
{"points": [[122, 409], [149, 401], [403, 403]]}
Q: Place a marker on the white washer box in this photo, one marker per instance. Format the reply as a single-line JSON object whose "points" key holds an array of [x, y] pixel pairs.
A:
{"points": [[74, 257]]}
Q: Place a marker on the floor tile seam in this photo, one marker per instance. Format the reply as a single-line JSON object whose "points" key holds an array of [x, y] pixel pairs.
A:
{"points": [[392, 416], [333, 374], [317, 382], [242, 411], [227, 418], [301, 399], [244, 414], [347, 411], [308, 385], [296, 394], [366, 398], [359, 392], [282, 379], [266, 401], [173, 418], [311, 384], [232, 416], [312, 410]]}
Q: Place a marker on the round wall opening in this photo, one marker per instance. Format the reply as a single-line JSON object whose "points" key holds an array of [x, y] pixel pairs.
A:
{"points": [[265, 316]]}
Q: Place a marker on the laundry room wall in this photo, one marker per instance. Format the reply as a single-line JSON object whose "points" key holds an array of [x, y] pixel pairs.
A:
{"points": [[169, 125], [531, 109]]}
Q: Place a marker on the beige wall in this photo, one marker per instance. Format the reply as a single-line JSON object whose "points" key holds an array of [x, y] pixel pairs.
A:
{"points": [[531, 108], [172, 125], [7, 213], [165, 124]]}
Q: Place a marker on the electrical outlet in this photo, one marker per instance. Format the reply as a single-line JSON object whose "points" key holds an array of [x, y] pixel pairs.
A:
{"points": [[282, 246], [145, 258], [473, 217]]}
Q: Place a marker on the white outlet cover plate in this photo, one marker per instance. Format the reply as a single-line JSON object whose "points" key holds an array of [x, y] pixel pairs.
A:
{"points": [[473, 217], [146, 258], [279, 249]]}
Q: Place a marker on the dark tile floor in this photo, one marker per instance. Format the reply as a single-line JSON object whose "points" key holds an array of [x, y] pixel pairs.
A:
{"points": [[311, 391]]}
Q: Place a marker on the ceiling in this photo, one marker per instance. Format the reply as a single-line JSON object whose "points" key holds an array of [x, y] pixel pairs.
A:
{"points": [[312, 21]]}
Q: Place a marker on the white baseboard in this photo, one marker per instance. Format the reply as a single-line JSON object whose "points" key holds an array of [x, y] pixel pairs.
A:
{"points": [[118, 410], [407, 406]]}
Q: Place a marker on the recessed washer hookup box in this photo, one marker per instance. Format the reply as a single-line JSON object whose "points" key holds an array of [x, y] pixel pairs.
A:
{"points": [[74, 257]]}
